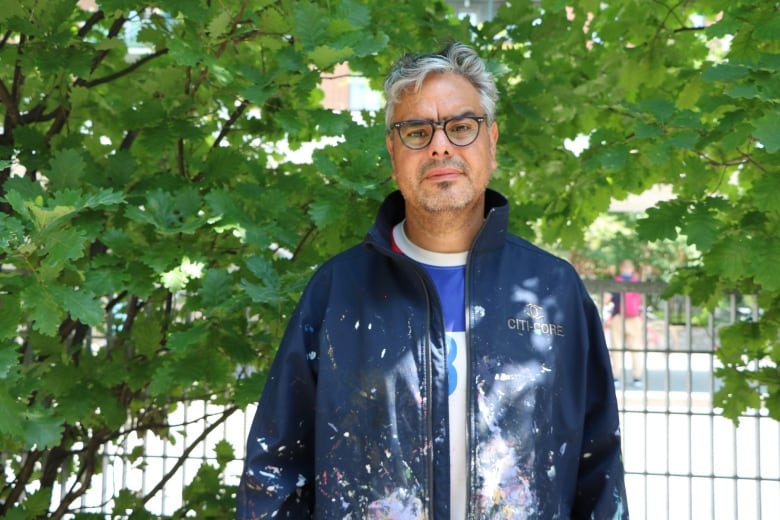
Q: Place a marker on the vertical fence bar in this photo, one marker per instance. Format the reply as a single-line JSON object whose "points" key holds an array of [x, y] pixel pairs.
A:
{"points": [[757, 414]]}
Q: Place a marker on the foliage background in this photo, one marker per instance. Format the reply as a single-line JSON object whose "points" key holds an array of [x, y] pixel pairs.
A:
{"points": [[154, 236]]}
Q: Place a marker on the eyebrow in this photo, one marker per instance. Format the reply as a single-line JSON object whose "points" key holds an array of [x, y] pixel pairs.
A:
{"points": [[467, 113]]}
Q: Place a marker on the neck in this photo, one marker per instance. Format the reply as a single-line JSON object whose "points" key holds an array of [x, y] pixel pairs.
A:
{"points": [[444, 232]]}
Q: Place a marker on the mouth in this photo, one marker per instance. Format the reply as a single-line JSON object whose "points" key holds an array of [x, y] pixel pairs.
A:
{"points": [[442, 174]]}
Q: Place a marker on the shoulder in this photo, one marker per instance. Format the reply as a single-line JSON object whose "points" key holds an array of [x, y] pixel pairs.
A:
{"points": [[547, 267], [521, 246], [353, 266]]}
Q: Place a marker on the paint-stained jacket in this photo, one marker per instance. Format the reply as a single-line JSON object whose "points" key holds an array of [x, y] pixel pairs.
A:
{"points": [[352, 423]]}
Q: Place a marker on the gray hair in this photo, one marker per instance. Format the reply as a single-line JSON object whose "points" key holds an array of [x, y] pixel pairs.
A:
{"points": [[410, 71]]}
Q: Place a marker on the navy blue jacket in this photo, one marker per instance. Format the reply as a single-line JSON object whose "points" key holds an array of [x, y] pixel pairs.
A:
{"points": [[352, 423]]}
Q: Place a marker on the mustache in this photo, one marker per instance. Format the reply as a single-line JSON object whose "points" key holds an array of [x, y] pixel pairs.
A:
{"points": [[451, 162]]}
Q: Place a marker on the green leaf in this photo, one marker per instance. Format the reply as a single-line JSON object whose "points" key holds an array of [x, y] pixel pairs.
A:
{"points": [[41, 429], [724, 72], [735, 397], [169, 213], [690, 94], [147, 335], [113, 413], [189, 338], [12, 412], [262, 269], [216, 288], [248, 389], [64, 244], [162, 379], [261, 293], [12, 233], [767, 29], [66, 169], [731, 257], [661, 222], [686, 140], [174, 280], [36, 505], [45, 311], [744, 91], [768, 130], [10, 9], [325, 56], [45, 217], [766, 193], [765, 264], [324, 212], [661, 109], [645, 131], [702, 227], [311, 24], [224, 452], [658, 153], [103, 198], [80, 304], [11, 319], [127, 500], [613, 157], [220, 24]]}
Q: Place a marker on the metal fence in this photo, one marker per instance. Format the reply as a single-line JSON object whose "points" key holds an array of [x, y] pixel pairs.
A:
{"points": [[683, 460]]}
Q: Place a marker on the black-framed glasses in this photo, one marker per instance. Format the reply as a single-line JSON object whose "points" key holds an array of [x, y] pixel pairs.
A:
{"points": [[418, 133]]}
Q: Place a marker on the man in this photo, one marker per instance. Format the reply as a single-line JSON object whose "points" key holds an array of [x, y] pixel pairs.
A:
{"points": [[444, 369], [625, 326]]}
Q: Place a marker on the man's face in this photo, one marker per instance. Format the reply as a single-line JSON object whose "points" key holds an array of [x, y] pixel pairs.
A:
{"points": [[442, 176]]}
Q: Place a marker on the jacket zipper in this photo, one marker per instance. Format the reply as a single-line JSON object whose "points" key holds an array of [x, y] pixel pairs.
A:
{"points": [[428, 397], [469, 375], [469, 392]]}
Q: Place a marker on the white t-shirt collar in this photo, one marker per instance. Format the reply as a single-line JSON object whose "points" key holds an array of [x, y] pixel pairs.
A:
{"points": [[424, 256]]}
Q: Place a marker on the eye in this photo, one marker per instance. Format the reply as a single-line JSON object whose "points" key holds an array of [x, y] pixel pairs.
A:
{"points": [[461, 126], [416, 131]]}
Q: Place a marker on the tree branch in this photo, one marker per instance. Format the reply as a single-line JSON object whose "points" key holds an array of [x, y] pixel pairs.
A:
{"points": [[86, 470], [182, 165], [303, 240], [11, 111], [222, 47], [129, 139], [6, 37], [61, 117], [112, 33], [93, 20], [235, 116], [18, 77], [111, 77], [22, 478], [186, 453]]}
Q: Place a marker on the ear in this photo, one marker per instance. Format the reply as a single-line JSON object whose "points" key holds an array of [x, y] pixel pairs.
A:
{"points": [[493, 141], [390, 148]]}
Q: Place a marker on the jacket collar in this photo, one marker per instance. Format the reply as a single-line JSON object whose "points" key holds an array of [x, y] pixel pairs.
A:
{"points": [[491, 236]]}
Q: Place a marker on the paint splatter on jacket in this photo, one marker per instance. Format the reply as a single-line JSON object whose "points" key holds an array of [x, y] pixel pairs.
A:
{"points": [[352, 423]]}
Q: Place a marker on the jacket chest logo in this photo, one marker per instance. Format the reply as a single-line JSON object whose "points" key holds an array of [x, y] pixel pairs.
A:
{"points": [[534, 321]]}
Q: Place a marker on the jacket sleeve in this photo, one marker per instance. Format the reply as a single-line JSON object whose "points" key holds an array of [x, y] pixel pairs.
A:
{"points": [[601, 492], [278, 477]]}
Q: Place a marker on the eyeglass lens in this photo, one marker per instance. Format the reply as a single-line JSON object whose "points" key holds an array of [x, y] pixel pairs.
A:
{"points": [[461, 131]]}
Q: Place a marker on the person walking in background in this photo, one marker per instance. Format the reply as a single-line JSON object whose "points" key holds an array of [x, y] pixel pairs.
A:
{"points": [[625, 326], [444, 369]]}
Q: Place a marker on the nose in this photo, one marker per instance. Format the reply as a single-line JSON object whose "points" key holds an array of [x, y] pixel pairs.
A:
{"points": [[440, 143]]}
